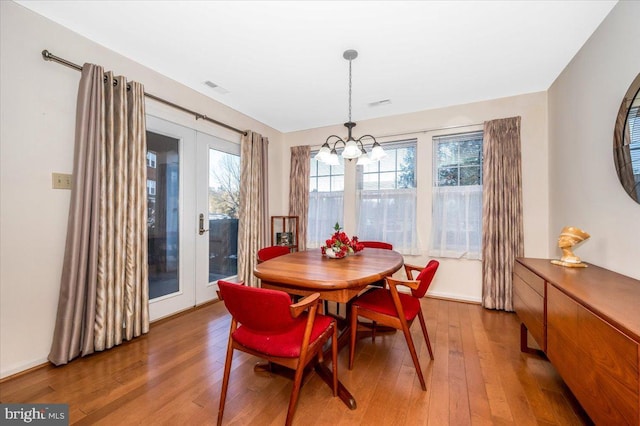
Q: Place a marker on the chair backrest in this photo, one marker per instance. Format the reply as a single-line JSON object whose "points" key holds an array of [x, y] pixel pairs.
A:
{"points": [[259, 309], [377, 244], [270, 252], [425, 277]]}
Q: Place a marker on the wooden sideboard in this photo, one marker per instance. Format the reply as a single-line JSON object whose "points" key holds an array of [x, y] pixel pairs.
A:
{"points": [[587, 322]]}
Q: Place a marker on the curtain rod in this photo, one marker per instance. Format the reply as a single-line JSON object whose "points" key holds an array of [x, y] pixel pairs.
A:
{"points": [[48, 56]]}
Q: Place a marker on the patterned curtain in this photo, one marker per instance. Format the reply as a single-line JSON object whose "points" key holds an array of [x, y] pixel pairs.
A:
{"points": [[502, 231], [253, 215], [299, 190], [104, 295]]}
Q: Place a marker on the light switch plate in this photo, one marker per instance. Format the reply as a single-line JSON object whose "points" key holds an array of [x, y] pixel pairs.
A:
{"points": [[61, 181]]}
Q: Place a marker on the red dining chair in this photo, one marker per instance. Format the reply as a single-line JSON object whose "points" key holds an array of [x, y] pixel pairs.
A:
{"points": [[394, 309], [265, 323], [270, 252], [370, 244], [377, 244], [381, 283], [380, 245]]}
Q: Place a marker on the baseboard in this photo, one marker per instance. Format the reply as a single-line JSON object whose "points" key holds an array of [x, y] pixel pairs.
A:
{"points": [[182, 312], [454, 297], [24, 369]]}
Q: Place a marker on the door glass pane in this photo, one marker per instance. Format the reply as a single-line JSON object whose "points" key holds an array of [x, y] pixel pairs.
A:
{"points": [[224, 201], [163, 167]]}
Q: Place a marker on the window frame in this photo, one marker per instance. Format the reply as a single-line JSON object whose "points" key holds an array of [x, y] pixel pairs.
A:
{"points": [[464, 224], [317, 233]]}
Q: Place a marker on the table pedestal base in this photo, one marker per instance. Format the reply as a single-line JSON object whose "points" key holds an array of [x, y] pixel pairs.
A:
{"points": [[343, 393], [321, 369]]}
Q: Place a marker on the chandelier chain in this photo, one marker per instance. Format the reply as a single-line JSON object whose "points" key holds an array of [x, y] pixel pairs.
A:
{"points": [[353, 148], [350, 60]]}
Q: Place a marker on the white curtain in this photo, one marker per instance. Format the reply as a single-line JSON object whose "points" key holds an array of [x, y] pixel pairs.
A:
{"points": [[456, 230], [388, 215], [325, 209]]}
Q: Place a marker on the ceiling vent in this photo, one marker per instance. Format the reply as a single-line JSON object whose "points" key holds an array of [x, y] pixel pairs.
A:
{"points": [[217, 88]]}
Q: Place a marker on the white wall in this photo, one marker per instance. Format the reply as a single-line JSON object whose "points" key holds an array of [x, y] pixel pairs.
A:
{"points": [[583, 104], [37, 106], [458, 279]]}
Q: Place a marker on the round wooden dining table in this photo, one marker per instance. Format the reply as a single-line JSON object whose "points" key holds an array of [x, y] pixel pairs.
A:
{"points": [[339, 280]]}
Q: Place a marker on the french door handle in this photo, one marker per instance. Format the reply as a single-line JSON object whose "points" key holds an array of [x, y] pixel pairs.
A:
{"points": [[201, 229]]}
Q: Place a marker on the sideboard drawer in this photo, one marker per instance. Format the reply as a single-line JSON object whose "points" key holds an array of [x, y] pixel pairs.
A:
{"points": [[529, 305], [534, 281]]}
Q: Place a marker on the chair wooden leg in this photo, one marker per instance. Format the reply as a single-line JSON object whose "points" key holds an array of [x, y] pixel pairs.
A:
{"points": [[414, 355], [225, 380], [295, 392], [353, 331], [423, 325], [334, 358]]}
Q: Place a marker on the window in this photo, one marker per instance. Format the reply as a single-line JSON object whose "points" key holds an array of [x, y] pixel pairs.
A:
{"points": [[151, 187], [326, 194], [151, 159], [386, 198], [163, 208], [457, 196], [223, 207]]}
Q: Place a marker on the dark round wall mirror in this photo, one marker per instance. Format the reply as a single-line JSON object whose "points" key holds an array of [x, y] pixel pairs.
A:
{"points": [[626, 141]]}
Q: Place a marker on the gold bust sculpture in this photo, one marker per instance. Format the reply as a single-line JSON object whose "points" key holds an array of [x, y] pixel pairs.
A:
{"points": [[569, 237]]}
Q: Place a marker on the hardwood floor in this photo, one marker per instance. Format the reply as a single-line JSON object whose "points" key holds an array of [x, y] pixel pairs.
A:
{"points": [[173, 376]]}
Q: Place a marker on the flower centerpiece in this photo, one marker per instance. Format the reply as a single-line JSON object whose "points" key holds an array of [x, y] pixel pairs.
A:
{"points": [[340, 245]]}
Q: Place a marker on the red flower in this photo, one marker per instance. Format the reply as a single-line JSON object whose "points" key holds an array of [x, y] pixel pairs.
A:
{"points": [[341, 244]]}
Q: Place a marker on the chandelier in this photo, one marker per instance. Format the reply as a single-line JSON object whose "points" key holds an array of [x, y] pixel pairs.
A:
{"points": [[352, 148]]}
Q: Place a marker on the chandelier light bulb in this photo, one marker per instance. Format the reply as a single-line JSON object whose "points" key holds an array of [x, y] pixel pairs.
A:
{"points": [[377, 153], [364, 160], [351, 150], [324, 153], [333, 159]]}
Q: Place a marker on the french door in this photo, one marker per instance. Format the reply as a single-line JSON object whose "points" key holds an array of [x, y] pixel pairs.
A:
{"points": [[192, 218]]}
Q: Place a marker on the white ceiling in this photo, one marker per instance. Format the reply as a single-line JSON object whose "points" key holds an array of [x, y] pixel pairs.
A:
{"points": [[281, 61]]}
